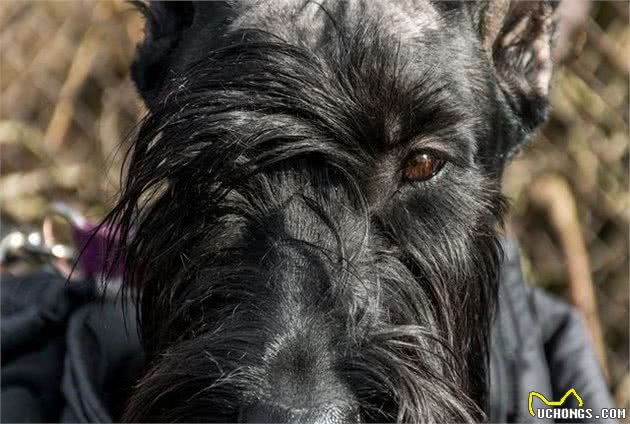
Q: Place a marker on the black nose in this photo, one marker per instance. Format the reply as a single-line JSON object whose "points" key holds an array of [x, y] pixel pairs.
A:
{"points": [[322, 414]]}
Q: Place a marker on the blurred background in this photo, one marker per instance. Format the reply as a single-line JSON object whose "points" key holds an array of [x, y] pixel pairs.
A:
{"points": [[66, 105]]}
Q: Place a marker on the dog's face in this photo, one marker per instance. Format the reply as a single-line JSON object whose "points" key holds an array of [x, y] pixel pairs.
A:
{"points": [[312, 204]]}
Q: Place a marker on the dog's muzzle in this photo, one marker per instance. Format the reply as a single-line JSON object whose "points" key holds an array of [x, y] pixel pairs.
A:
{"points": [[329, 413]]}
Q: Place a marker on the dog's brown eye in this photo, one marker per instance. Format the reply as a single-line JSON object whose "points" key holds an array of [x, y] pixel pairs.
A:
{"points": [[422, 167]]}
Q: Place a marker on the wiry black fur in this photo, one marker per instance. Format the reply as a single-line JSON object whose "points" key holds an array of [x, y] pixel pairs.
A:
{"points": [[283, 260]]}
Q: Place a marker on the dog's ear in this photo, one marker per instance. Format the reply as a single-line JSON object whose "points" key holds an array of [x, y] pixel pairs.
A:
{"points": [[166, 23], [517, 36]]}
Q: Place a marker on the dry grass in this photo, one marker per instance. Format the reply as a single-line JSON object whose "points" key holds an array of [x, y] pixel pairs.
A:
{"points": [[66, 104]]}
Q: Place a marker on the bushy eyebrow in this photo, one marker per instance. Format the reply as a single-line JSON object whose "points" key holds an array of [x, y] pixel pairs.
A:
{"points": [[432, 118], [454, 147]]}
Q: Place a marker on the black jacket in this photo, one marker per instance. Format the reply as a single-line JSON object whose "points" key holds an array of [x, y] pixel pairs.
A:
{"points": [[71, 358], [539, 343]]}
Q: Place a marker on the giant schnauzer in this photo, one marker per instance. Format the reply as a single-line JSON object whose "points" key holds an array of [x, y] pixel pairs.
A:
{"points": [[312, 204]]}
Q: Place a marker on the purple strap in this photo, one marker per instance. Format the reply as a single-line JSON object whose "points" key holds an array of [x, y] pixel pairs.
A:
{"points": [[92, 244]]}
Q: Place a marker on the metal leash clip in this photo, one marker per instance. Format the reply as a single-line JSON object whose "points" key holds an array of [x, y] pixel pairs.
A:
{"points": [[32, 246], [83, 256], [41, 247]]}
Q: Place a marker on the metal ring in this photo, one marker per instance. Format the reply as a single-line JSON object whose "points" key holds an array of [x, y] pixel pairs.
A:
{"points": [[69, 214], [63, 255], [72, 215]]}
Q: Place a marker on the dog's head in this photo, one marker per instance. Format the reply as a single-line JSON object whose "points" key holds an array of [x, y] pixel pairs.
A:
{"points": [[311, 204]]}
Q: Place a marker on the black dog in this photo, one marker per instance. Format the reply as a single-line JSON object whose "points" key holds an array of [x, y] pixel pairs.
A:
{"points": [[312, 204]]}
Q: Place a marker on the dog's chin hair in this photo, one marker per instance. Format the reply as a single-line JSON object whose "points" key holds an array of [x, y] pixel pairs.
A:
{"points": [[215, 160]]}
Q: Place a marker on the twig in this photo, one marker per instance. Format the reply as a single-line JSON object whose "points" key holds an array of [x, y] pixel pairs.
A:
{"points": [[603, 43], [622, 396], [27, 136], [78, 73], [554, 196], [20, 184]]}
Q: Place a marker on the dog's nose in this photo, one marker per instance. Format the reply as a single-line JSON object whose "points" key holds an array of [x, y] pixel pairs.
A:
{"points": [[322, 414]]}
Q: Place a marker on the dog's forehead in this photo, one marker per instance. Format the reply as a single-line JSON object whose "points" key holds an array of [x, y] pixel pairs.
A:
{"points": [[308, 20]]}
